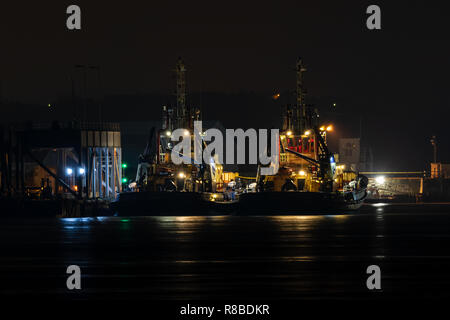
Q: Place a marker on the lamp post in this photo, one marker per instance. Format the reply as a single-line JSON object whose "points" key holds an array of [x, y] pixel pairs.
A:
{"points": [[85, 69], [100, 96], [85, 108], [433, 141]]}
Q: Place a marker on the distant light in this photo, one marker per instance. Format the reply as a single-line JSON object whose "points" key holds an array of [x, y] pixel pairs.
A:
{"points": [[168, 133], [69, 171], [334, 104], [186, 132], [332, 159], [307, 132], [276, 96], [75, 188], [289, 133], [380, 179], [124, 165], [49, 105], [302, 173], [330, 128], [181, 175], [322, 128], [124, 180], [81, 171]]}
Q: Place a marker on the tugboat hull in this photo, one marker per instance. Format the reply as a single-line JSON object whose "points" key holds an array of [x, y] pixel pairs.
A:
{"points": [[297, 203], [170, 204], [259, 203], [159, 204]]}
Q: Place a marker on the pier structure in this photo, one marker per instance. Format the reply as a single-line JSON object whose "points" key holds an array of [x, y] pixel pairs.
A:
{"points": [[45, 160]]}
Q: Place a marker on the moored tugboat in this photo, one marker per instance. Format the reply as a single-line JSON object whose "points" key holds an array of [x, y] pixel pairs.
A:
{"points": [[164, 188], [308, 180]]}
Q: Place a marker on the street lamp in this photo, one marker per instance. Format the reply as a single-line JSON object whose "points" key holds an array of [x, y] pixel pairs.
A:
{"points": [[434, 144]]}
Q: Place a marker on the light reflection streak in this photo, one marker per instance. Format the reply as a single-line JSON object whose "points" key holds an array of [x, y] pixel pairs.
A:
{"points": [[74, 224], [379, 204]]}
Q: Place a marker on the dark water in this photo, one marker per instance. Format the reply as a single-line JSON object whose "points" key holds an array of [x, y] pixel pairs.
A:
{"points": [[231, 257]]}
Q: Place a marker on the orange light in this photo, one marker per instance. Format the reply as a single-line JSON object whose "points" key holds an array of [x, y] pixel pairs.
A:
{"points": [[276, 96], [322, 128], [75, 188], [330, 128]]}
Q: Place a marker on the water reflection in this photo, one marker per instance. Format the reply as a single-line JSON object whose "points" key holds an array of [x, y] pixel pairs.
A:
{"points": [[227, 256], [74, 224]]}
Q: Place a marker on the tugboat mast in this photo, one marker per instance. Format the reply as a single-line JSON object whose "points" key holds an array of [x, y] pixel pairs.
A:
{"points": [[300, 114], [182, 112]]}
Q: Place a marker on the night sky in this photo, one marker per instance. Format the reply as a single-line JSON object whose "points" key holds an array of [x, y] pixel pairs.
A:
{"points": [[238, 54]]}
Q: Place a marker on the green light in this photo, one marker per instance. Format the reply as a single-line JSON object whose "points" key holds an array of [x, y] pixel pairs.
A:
{"points": [[124, 180], [49, 105], [125, 220], [124, 165]]}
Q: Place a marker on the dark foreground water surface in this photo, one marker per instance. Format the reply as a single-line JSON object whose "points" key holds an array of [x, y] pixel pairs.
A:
{"points": [[231, 257]]}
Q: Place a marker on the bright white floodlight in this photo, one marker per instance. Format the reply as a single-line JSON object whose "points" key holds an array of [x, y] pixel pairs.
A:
{"points": [[380, 179]]}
